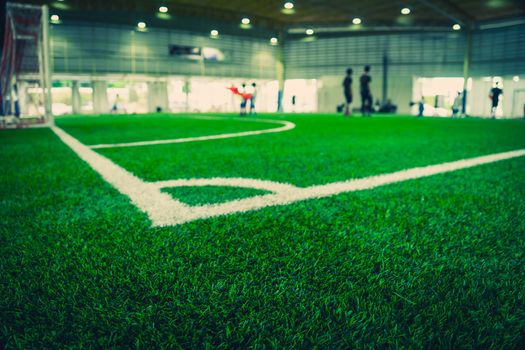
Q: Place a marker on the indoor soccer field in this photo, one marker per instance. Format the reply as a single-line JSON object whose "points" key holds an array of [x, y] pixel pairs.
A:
{"points": [[260, 175], [421, 259]]}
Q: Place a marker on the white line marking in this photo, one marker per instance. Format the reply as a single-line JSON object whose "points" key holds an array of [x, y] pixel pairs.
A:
{"points": [[163, 210], [286, 126], [335, 188], [145, 196]]}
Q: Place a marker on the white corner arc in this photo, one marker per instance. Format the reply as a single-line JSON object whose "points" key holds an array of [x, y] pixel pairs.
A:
{"points": [[286, 125]]}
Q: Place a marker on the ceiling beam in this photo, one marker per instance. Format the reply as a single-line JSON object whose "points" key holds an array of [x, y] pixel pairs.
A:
{"points": [[350, 30], [468, 17], [450, 11]]}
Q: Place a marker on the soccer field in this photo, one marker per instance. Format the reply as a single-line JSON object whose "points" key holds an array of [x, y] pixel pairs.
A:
{"points": [[279, 231]]}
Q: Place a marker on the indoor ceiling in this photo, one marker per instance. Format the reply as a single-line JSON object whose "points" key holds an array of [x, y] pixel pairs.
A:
{"points": [[269, 13]]}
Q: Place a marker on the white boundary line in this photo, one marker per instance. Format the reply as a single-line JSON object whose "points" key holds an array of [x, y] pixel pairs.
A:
{"points": [[286, 126], [163, 210], [145, 196], [335, 188]]}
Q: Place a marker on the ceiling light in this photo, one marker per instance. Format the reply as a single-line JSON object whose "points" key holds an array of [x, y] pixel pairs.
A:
{"points": [[141, 25], [516, 78], [456, 27], [245, 21], [309, 31], [356, 20], [405, 11], [288, 5], [55, 18], [163, 9], [274, 41], [214, 33]]}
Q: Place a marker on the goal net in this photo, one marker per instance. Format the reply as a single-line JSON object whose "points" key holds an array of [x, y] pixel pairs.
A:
{"points": [[25, 75]]}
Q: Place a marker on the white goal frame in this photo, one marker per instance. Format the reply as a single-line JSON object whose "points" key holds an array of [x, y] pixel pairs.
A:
{"points": [[12, 74]]}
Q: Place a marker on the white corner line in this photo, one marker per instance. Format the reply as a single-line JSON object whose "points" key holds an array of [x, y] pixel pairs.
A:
{"points": [[286, 125], [331, 189], [164, 210], [145, 196]]}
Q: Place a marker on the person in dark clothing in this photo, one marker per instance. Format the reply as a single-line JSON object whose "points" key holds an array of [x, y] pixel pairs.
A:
{"points": [[347, 90], [421, 108], [495, 92], [244, 100], [366, 95], [253, 91], [388, 107]]}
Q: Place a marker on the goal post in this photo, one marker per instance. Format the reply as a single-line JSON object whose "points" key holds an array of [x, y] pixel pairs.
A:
{"points": [[25, 67]]}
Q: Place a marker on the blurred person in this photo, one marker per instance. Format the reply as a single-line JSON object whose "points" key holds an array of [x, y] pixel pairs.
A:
{"points": [[245, 96], [494, 95], [366, 95], [420, 108], [377, 106], [16, 101], [244, 100], [458, 101], [347, 91], [115, 107], [388, 107], [253, 92]]}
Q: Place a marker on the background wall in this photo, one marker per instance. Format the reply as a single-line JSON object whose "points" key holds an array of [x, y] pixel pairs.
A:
{"points": [[496, 52], [425, 54], [499, 52], [99, 49]]}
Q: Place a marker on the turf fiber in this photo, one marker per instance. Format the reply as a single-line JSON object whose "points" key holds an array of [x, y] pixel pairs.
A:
{"points": [[437, 262]]}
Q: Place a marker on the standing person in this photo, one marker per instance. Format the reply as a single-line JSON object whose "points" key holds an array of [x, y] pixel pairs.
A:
{"points": [[347, 90], [458, 101], [242, 92], [115, 107], [253, 91], [420, 108], [495, 92], [16, 101], [366, 95]]}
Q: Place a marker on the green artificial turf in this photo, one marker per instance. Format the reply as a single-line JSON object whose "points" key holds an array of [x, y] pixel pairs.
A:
{"points": [[211, 194], [321, 149], [437, 262]]}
